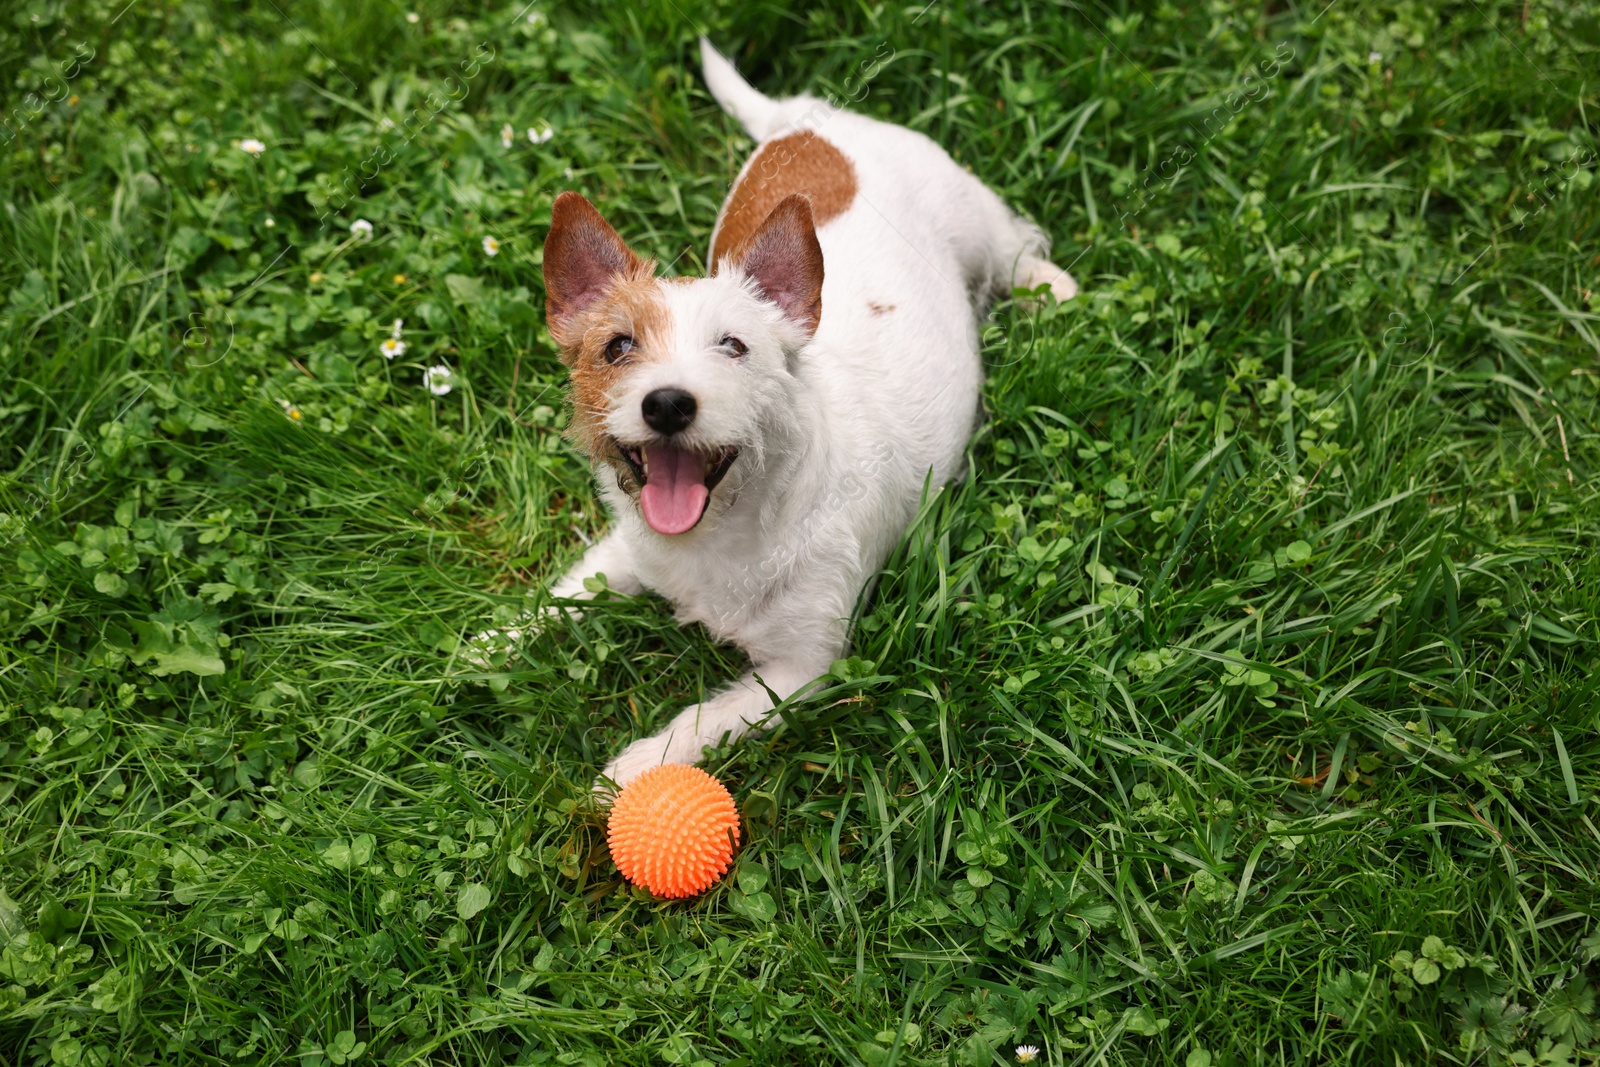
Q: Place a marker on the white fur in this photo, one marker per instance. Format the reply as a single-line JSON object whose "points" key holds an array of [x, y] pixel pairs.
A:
{"points": [[837, 436]]}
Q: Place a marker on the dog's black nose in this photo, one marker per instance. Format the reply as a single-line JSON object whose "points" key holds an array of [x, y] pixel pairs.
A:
{"points": [[668, 410]]}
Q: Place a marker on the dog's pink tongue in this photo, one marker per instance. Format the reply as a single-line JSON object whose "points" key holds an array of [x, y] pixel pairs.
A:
{"points": [[675, 494]]}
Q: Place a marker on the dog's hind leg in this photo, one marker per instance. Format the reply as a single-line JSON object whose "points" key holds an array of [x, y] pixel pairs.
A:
{"points": [[999, 249], [1021, 258], [1035, 272]]}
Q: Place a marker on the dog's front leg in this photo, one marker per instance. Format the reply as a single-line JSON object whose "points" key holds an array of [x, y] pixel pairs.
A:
{"points": [[731, 714], [608, 556]]}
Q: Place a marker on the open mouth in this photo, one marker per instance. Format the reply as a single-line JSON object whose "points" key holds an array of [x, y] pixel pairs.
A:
{"points": [[675, 483]]}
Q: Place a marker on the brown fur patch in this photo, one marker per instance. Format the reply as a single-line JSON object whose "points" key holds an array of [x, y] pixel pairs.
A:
{"points": [[801, 163], [879, 309], [582, 257], [634, 306]]}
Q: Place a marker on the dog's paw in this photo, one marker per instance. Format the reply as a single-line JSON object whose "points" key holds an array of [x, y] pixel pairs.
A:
{"points": [[1062, 285], [492, 650], [489, 650], [631, 762]]}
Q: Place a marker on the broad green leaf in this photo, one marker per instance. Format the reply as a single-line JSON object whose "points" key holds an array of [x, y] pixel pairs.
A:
{"points": [[361, 850], [1425, 972], [759, 907], [473, 898], [1142, 1021], [968, 849], [337, 855], [110, 583], [752, 879], [465, 290]]}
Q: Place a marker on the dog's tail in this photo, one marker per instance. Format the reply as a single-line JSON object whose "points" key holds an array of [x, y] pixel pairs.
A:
{"points": [[760, 115]]}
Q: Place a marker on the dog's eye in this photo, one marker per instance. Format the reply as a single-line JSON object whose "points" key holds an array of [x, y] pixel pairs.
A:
{"points": [[618, 347], [734, 345]]}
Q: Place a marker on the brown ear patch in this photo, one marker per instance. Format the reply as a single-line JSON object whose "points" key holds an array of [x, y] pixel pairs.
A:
{"points": [[802, 163], [784, 260], [583, 257]]}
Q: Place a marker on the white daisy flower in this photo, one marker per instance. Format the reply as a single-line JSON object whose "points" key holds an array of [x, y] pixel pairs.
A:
{"points": [[535, 18], [394, 331], [393, 346], [491, 247], [413, 18], [506, 134], [253, 146], [438, 379], [271, 222], [540, 136], [290, 410], [1027, 1053], [386, 123], [361, 230], [1374, 57]]}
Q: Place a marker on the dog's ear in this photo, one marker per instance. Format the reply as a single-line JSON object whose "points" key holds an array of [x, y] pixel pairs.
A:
{"points": [[784, 259], [582, 256]]}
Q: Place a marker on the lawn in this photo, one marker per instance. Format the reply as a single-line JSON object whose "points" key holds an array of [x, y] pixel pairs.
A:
{"points": [[1239, 708]]}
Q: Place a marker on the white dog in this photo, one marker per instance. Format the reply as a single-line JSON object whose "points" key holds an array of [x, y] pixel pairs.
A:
{"points": [[763, 436]]}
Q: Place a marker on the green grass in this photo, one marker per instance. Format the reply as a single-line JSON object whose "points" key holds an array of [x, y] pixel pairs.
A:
{"points": [[1241, 706]]}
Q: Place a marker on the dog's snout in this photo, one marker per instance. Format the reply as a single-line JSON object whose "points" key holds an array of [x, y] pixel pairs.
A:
{"points": [[667, 411]]}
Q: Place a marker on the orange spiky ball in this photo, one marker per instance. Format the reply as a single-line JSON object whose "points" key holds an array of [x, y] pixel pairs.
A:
{"points": [[672, 830]]}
